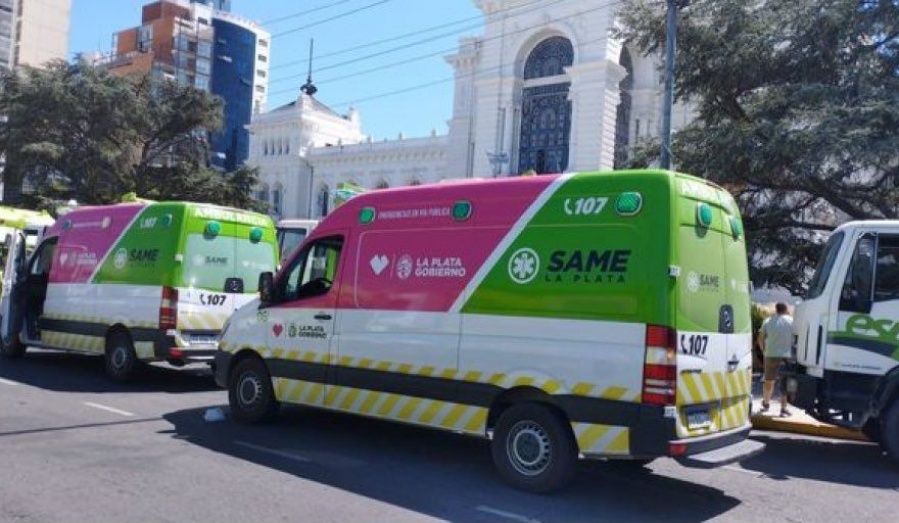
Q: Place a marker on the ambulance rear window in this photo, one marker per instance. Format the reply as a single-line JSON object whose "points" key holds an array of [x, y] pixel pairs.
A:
{"points": [[209, 262]]}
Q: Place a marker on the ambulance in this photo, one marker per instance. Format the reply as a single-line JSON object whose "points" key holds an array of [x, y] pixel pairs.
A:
{"points": [[136, 282], [596, 315]]}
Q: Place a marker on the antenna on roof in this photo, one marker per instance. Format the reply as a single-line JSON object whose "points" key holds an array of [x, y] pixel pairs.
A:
{"points": [[308, 87]]}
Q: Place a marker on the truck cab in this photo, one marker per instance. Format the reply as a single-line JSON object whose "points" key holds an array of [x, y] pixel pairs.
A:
{"points": [[847, 333]]}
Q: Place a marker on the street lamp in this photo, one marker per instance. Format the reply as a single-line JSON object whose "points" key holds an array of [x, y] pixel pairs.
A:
{"points": [[668, 100]]}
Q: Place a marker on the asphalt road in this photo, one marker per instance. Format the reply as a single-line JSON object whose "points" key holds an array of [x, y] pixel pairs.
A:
{"points": [[76, 447]]}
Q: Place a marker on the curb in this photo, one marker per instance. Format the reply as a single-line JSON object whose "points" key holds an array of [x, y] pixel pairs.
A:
{"points": [[809, 428]]}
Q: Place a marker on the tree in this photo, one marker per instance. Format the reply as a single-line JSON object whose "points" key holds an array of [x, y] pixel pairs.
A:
{"points": [[797, 108], [74, 131]]}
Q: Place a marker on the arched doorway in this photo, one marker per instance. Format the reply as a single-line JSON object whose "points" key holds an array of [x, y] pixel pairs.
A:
{"points": [[545, 108], [623, 112]]}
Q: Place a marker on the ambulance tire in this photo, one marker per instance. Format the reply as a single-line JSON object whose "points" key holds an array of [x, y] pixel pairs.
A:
{"points": [[250, 393], [120, 359], [889, 437], [12, 348], [533, 448]]}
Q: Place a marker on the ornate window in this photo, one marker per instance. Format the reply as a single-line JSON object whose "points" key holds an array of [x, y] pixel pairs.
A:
{"points": [[323, 200], [545, 109], [277, 195], [623, 113]]}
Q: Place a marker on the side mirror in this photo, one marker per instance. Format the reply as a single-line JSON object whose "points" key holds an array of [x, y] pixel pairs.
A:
{"points": [[266, 287]]}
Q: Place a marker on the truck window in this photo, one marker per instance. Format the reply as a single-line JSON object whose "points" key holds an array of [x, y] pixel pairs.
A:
{"points": [[886, 284], [290, 239], [857, 290], [825, 265], [313, 271]]}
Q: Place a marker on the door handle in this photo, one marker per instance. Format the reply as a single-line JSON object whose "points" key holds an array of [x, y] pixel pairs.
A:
{"points": [[322, 316]]}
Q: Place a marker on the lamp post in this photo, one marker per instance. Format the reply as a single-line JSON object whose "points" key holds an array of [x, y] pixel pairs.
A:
{"points": [[668, 99]]}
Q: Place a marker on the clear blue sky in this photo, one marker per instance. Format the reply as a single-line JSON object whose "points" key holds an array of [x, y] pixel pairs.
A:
{"points": [[336, 29]]}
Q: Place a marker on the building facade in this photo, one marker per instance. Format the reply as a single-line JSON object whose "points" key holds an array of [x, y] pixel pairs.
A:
{"points": [[201, 44], [545, 88], [33, 32]]}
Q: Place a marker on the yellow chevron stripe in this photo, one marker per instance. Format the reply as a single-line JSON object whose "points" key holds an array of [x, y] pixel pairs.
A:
{"points": [[427, 417]]}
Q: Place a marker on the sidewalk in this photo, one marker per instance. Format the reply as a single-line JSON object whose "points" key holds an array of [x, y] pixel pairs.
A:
{"points": [[798, 422]]}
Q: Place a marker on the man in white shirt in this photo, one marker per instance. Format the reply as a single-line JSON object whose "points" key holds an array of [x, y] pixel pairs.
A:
{"points": [[776, 342]]}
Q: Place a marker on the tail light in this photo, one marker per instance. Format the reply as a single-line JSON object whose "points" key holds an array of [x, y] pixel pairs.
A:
{"points": [[168, 309], [660, 366]]}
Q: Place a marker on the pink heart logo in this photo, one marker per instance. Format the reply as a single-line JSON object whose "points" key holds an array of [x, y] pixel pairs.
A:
{"points": [[278, 329]]}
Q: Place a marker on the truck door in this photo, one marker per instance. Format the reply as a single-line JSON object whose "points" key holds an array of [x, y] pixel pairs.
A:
{"points": [[302, 322], [813, 315], [862, 338]]}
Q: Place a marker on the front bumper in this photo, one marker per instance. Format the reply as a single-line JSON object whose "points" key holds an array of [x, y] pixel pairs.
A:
{"points": [[222, 368]]}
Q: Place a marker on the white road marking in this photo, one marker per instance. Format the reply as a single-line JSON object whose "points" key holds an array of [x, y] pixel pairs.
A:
{"points": [[744, 471], [8, 382], [274, 452], [508, 515], [109, 409]]}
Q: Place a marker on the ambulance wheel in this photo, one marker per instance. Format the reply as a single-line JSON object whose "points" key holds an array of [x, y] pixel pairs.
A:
{"points": [[250, 392], [889, 436], [12, 347], [120, 358], [533, 448]]}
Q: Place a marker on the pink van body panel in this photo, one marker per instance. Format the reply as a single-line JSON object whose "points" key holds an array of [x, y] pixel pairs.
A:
{"points": [[430, 275]]}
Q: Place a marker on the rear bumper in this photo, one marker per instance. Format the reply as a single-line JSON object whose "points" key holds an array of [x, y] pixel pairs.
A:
{"points": [[655, 435], [181, 346]]}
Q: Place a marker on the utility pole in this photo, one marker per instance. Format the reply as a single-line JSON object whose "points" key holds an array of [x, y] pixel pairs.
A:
{"points": [[668, 99]]}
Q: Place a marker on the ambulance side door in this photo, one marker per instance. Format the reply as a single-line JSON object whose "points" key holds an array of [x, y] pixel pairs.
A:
{"points": [[301, 321]]}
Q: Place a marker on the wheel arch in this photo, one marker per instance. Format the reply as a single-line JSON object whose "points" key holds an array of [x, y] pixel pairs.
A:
{"points": [[523, 394]]}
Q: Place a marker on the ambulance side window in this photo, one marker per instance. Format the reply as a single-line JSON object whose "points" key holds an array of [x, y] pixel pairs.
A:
{"points": [[43, 259], [886, 285], [313, 271]]}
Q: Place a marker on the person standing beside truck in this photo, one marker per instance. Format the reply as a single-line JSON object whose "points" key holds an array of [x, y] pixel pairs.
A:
{"points": [[776, 343]]}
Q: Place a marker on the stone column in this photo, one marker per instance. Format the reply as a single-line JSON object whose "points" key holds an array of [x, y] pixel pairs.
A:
{"points": [[594, 98]]}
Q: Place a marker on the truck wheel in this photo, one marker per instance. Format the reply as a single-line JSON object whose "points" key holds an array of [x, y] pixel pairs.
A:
{"points": [[12, 347], [889, 435], [250, 392], [533, 448], [120, 358]]}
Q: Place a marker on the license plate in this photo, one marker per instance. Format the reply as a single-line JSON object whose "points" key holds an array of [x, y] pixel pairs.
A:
{"points": [[698, 419], [202, 340]]}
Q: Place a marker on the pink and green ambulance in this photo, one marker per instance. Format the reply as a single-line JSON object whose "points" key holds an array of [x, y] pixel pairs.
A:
{"points": [[135, 282], [596, 315]]}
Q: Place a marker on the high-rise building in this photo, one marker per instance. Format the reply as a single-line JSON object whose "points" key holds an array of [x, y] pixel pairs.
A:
{"points": [[240, 77], [219, 5], [174, 41], [33, 32], [199, 43]]}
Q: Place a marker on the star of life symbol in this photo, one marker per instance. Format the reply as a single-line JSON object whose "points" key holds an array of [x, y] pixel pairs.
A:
{"points": [[524, 265]]}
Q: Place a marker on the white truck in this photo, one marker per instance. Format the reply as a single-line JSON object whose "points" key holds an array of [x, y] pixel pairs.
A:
{"points": [[291, 233], [847, 334]]}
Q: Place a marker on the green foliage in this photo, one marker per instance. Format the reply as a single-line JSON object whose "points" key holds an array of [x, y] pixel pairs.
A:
{"points": [[74, 131], [797, 109]]}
